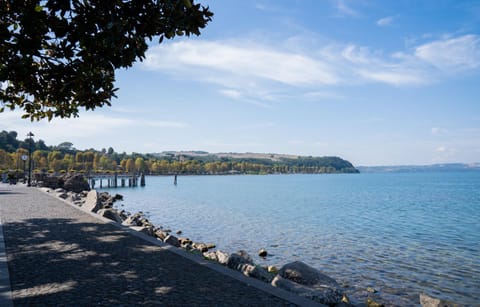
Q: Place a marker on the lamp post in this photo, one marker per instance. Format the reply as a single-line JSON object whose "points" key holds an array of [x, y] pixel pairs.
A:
{"points": [[30, 135], [24, 159]]}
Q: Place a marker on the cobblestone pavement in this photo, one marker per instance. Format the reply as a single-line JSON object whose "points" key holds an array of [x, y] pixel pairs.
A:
{"points": [[60, 256]]}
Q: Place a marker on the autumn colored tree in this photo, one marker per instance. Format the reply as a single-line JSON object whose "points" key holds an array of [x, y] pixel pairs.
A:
{"points": [[130, 165]]}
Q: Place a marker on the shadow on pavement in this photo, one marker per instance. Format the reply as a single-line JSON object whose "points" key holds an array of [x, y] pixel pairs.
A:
{"points": [[63, 261]]}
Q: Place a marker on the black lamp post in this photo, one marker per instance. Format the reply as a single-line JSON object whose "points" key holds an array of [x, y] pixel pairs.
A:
{"points": [[30, 135]]}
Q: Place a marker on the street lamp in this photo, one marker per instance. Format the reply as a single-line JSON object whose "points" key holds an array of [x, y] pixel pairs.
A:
{"points": [[24, 159], [30, 135]]}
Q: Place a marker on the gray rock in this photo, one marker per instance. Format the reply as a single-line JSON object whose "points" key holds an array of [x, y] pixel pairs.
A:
{"points": [[322, 288], [327, 296], [92, 203], [210, 256], [262, 253], [372, 303], [60, 190], [428, 301], [133, 220], [202, 247], [222, 257], [184, 241], [62, 195], [76, 183], [237, 260], [304, 274], [75, 197], [142, 229], [160, 234], [110, 214], [257, 272], [172, 240]]}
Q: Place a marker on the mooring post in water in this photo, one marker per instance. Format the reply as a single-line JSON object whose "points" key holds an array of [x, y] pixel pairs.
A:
{"points": [[92, 183], [115, 183], [175, 180], [122, 182], [142, 180], [100, 182], [129, 181]]}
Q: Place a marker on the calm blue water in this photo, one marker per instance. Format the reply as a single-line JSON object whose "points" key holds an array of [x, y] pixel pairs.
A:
{"points": [[402, 233]]}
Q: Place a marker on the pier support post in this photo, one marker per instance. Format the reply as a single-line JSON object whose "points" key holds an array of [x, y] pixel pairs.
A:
{"points": [[122, 182], [115, 183], [142, 180]]}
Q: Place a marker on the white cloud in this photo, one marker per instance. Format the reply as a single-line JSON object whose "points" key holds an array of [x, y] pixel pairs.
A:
{"points": [[257, 73], [386, 21], [452, 54], [231, 93], [441, 149], [245, 60], [345, 9]]}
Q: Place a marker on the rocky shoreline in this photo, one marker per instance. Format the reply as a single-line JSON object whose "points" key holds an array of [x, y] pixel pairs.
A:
{"points": [[296, 277]]}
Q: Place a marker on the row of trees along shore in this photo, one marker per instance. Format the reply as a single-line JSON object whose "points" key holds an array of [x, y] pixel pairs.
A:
{"points": [[65, 158]]}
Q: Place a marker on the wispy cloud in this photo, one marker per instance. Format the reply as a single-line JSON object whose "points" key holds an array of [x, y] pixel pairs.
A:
{"points": [[240, 60], [262, 73], [456, 53], [386, 21], [345, 9]]}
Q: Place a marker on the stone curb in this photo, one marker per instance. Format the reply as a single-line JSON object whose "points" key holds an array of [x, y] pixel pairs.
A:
{"points": [[262, 286]]}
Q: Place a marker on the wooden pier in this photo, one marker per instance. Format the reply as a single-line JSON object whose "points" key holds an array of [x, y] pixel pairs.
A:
{"points": [[106, 180]]}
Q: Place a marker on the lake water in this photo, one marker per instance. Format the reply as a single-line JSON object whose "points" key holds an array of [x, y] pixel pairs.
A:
{"points": [[400, 233]]}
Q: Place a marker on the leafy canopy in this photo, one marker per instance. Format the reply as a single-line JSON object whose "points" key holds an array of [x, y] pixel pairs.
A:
{"points": [[60, 56]]}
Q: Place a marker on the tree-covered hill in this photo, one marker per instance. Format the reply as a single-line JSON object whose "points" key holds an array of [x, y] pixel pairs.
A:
{"points": [[65, 158]]}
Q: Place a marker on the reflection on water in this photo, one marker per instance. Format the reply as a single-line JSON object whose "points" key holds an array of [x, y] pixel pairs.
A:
{"points": [[401, 234]]}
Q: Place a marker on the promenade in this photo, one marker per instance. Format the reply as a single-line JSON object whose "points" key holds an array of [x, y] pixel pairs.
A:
{"points": [[58, 255]]}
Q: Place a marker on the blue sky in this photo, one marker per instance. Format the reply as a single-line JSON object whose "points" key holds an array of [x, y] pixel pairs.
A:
{"points": [[375, 82]]}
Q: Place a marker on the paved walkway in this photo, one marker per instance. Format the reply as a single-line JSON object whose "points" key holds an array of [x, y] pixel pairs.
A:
{"points": [[60, 256]]}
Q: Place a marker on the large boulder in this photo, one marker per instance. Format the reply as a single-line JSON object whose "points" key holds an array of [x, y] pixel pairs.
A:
{"points": [[110, 214], [172, 240], [237, 260], [257, 272], [52, 182], [92, 202], [304, 280], [76, 183], [327, 296], [134, 220], [304, 274], [146, 230]]}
